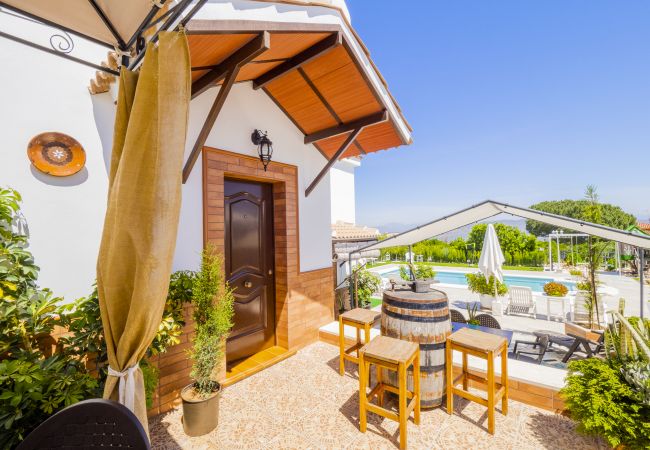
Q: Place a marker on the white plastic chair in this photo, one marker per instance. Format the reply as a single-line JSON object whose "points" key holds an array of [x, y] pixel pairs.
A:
{"points": [[580, 312], [521, 301]]}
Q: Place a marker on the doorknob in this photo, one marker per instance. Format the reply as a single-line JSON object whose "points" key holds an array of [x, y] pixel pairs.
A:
{"points": [[248, 284]]}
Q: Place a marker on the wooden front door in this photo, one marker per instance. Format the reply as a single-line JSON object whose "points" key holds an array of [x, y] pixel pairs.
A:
{"points": [[249, 266]]}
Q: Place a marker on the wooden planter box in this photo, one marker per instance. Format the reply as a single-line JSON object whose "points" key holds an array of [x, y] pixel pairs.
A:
{"points": [[577, 330]]}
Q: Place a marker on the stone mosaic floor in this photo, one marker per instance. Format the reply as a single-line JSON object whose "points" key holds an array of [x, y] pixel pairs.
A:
{"points": [[302, 402]]}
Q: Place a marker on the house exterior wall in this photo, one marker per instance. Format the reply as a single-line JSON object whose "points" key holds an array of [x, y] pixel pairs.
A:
{"points": [[65, 215], [342, 190]]}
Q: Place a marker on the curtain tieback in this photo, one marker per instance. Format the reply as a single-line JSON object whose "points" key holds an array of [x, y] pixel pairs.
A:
{"points": [[126, 389]]}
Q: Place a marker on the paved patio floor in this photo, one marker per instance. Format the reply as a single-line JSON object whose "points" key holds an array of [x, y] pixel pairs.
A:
{"points": [[302, 402]]}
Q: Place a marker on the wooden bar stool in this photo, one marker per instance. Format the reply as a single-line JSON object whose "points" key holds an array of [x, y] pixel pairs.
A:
{"points": [[482, 345], [358, 318], [397, 355]]}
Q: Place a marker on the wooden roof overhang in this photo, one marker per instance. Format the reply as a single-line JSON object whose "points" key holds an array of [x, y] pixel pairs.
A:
{"points": [[313, 75]]}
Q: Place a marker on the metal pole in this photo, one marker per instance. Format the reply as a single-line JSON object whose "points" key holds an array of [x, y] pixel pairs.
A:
{"points": [[352, 305], [550, 252], [410, 254], [557, 238], [641, 281]]}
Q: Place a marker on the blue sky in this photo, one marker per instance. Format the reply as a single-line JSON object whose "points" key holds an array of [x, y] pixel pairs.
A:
{"points": [[517, 101]]}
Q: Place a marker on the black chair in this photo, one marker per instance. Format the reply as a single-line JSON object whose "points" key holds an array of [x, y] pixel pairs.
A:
{"points": [[586, 344], [486, 320], [89, 424], [457, 316], [542, 342]]}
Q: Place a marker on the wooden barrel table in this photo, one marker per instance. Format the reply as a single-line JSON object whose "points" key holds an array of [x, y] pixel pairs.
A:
{"points": [[422, 318]]}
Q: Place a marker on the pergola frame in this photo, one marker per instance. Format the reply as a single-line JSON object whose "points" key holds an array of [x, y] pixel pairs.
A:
{"points": [[131, 50], [490, 208]]}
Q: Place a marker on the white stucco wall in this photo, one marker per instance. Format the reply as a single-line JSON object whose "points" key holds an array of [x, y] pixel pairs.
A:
{"points": [[38, 93], [41, 92], [342, 190]]}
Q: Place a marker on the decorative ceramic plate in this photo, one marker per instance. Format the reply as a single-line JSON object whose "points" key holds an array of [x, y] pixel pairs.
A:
{"points": [[56, 154]]}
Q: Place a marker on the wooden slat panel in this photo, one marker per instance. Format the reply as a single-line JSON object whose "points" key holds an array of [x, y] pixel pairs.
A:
{"points": [[339, 81], [211, 49], [331, 145], [333, 60], [251, 71], [300, 102], [286, 45], [196, 74], [379, 137]]}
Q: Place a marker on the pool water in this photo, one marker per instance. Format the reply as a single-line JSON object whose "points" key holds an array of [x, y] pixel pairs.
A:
{"points": [[535, 283]]}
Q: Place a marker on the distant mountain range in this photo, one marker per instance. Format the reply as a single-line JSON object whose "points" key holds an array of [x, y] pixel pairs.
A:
{"points": [[451, 235]]}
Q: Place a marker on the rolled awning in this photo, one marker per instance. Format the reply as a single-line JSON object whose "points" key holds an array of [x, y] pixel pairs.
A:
{"points": [[490, 208]]}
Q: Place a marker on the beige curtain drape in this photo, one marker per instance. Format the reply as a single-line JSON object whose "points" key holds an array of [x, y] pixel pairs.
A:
{"points": [[139, 237]]}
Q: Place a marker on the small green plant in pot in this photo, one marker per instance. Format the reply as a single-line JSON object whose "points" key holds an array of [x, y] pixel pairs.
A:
{"points": [[471, 314], [554, 289], [213, 317], [477, 283]]}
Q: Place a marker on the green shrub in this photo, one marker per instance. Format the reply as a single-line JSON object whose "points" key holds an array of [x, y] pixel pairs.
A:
{"points": [[363, 284], [33, 383], [575, 272], [604, 405], [213, 313], [476, 282], [554, 289], [31, 389]]}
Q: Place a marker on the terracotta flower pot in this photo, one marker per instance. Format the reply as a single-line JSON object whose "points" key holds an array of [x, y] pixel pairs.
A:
{"points": [[200, 416]]}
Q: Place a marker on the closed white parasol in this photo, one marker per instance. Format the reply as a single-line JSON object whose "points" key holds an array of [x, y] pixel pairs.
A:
{"points": [[492, 259]]}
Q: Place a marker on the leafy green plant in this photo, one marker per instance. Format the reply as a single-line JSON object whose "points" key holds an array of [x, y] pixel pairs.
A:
{"points": [[33, 382], [597, 396], [213, 316], [150, 374], [422, 272], [363, 284], [575, 272], [31, 389], [554, 289], [476, 282], [471, 314]]}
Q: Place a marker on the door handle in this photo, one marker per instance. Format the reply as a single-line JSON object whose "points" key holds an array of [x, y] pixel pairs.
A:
{"points": [[248, 284]]}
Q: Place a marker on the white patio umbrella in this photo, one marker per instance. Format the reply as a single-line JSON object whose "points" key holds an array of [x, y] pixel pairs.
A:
{"points": [[492, 259]]}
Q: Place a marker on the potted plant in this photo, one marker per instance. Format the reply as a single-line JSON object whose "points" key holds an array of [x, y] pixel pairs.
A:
{"points": [[477, 283], [424, 276], [213, 312], [554, 289], [471, 314]]}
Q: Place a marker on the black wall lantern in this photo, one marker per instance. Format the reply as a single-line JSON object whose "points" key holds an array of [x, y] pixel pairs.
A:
{"points": [[264, 147]]}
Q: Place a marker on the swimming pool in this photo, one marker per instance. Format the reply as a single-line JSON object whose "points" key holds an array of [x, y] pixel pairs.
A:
{"points": [[535, 283]]}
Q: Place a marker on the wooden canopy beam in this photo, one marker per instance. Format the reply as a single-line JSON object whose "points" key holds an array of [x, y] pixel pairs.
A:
{"points": [[209, 121], [372, 119], [316, 50], [243, 55], [333, 159]]}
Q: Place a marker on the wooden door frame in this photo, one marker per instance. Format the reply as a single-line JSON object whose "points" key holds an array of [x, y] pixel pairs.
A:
{"points": [[219, 165]]}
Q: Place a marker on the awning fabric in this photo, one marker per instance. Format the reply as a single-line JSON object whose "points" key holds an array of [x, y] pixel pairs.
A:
{"points": [[81, 17], [144, 199], [491, 208]]}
